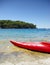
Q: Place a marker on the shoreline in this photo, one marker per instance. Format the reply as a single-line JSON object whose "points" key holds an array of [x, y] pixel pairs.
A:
{"points": [[18, 56]]}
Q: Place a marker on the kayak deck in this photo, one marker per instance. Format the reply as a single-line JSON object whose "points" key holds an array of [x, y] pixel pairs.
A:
{"points": [[35, 46]]}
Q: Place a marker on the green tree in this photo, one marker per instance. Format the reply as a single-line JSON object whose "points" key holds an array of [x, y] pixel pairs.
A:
{"points": [[15, 24]]}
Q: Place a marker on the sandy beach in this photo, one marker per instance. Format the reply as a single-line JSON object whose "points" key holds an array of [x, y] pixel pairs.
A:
{"points": [[24, 21], [11, 55]]}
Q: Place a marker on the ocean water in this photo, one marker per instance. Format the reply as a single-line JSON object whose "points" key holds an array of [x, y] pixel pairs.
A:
{"points": [[11, 55], [25, 35]]}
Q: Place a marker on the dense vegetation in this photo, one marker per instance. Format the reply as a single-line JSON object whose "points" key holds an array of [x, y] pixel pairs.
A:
{"points": [[15, 24]]}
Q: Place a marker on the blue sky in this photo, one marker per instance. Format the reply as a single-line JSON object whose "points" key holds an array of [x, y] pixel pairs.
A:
{"points": [[33, 11]]}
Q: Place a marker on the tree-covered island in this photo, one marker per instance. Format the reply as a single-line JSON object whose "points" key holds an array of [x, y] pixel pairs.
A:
{"points": [[15, 24]]}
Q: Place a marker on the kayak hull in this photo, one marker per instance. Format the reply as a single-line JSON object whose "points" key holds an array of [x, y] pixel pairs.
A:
{"points": [[35, 46]]}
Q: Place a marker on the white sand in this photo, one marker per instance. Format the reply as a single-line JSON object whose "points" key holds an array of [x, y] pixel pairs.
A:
{"points": [[40, 62], [6, 63], [10, 55]]}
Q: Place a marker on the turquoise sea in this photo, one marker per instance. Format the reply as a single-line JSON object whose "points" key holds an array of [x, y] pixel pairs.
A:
{"points": [[25, 34], [11, 55]]}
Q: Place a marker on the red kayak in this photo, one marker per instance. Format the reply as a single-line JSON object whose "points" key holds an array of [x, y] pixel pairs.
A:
{"points": [[36, 46]]}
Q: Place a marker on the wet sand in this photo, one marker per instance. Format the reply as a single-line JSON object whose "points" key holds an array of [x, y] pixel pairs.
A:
{"points": [[11, 55]]}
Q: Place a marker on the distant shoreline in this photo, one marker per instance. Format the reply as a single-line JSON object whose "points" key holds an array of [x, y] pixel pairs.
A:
{"points": [[6, 24]]}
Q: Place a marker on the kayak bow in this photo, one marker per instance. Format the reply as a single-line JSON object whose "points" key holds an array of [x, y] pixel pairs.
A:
{"points": [[36, 46]]}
